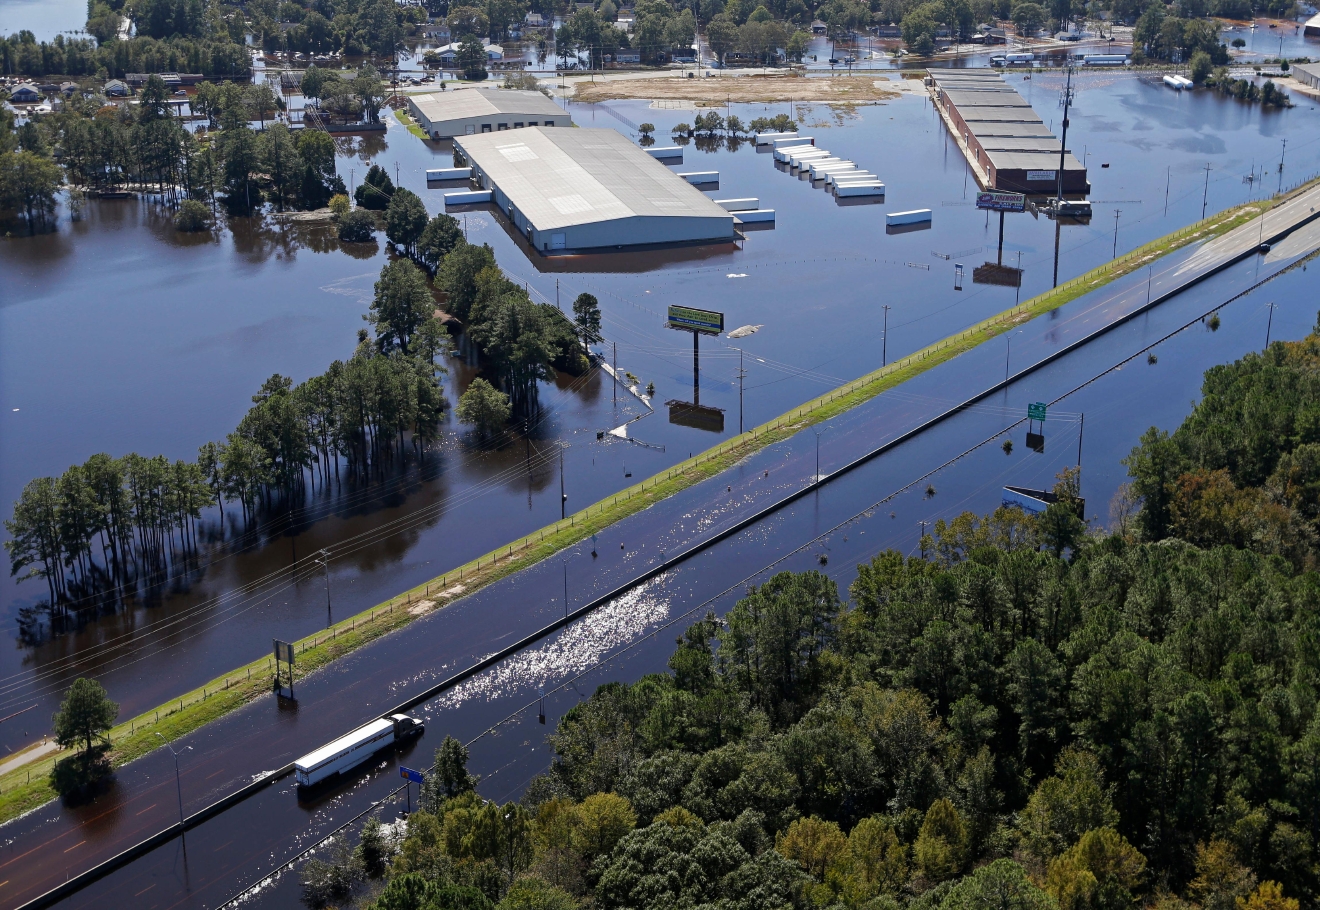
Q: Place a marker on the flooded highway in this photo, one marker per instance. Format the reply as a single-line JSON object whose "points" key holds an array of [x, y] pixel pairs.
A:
{"points": [[261, 737], [200, 326]]}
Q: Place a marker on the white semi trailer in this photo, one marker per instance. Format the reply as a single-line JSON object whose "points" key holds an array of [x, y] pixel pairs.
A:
{"points": [[352, 749]]}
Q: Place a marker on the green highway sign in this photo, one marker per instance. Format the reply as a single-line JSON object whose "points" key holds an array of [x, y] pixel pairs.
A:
{"points": [[1036, 411]]}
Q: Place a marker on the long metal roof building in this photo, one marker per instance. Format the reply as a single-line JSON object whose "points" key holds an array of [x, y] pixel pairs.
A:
{"points": [[582, 189], [444, 115], [1003, 135]]}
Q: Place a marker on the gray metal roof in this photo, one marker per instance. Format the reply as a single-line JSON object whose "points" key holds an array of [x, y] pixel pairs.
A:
{"points": [[565, 177], [1310, 69], [473, 102], [1003, 114], [963, 99], [1033, 161], [1034, 129], [1019, 144]]}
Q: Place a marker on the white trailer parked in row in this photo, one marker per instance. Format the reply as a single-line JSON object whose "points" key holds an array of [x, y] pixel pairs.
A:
{"points": [[352, 749]]}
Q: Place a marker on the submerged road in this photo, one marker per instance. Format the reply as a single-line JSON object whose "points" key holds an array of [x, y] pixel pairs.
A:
{"points": [[43, 849]]}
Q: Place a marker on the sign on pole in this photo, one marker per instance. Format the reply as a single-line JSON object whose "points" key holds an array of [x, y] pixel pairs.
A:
{"points": [[283, 652], [707, 322], [1036, 411], [410, 775], [998, 201]]}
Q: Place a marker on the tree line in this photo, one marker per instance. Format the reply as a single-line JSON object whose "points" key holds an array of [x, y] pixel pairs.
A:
{"points": [[208, 36], [98, 148], [1031, 715], [111, 527]]}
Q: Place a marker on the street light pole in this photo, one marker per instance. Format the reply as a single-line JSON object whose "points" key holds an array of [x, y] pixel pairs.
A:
{"points": [[1269, 324], [177, 783], [818, 433], [563, 497]]}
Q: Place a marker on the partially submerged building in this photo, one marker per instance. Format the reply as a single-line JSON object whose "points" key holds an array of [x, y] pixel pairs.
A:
{"points": [[469, 112], [589, 189], [1003, 135]]}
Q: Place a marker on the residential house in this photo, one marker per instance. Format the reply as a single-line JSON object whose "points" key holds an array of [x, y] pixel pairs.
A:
{"points": [[116, 88], [25, 93]]}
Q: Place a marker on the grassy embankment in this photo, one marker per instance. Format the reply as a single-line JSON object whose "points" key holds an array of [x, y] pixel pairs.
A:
{"points": [[26, 787], [406, 119]]}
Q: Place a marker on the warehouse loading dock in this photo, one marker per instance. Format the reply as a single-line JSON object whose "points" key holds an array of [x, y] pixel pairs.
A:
{"points": [[589, 189], [1004, 139], [468, 112]]}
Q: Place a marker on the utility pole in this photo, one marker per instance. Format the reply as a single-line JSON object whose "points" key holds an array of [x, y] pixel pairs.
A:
{"points": [[741, 374], [1081, 425], [1117, 212], [558, 305], [1281, 157], [884, 344], [1269, 323], [563, 497], [1168, 178], [1063, 141], [565, 565], [1205, 196], [323, 560], [615, 389], [922, 540], [1149, 271]]}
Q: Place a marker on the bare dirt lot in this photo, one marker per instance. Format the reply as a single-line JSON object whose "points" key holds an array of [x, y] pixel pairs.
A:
{"points": [[836, 90]]}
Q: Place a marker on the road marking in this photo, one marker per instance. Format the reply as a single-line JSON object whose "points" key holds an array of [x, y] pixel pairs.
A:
{"points": [[149, 808], [222, 846], [209, 776], [144, 890], [76, 846]]}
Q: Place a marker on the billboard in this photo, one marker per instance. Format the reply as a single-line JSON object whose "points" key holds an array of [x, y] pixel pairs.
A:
{"points": [[997, 201], [707, 322]]}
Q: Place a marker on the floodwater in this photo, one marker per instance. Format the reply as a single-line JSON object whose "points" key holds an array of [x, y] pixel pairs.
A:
{"points": [[44, 18], [848, 521], [167, 360]]}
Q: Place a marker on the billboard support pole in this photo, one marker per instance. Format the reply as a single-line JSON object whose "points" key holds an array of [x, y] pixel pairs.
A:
{"points": [[1001, 236], [696, 368]]}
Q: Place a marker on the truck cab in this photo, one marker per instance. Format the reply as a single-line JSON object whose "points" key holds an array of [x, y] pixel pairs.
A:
{"points": [[406, 726]]}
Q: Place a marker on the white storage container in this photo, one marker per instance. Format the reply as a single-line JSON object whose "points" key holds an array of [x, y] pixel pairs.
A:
{"points": [[916, 216]]}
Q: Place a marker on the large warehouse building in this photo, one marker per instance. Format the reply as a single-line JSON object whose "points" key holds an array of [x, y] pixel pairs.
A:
{"points": [[584, 189], [1004, 135], [468, 112]]}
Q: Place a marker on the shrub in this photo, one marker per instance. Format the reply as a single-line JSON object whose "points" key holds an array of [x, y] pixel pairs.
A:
{"points": [[357, 226], [192, 216], [339, 205]]}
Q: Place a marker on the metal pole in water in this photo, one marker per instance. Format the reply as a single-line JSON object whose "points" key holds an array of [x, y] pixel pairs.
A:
{"points": [[324, 562], [1269, 324], [884, 343]]}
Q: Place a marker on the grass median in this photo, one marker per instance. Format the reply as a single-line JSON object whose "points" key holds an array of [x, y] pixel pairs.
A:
{"points": [[27, 787]]}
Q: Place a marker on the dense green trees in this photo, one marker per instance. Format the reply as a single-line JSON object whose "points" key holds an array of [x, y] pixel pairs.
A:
{"points": [[484, 407], [145, 149], [1244, 468], [83, 720]]}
